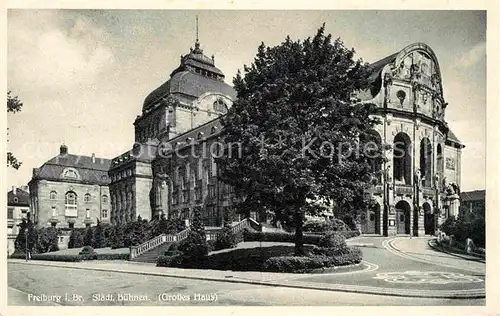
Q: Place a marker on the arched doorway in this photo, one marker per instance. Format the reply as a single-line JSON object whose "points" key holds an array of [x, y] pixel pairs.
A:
{"points": [[372, 221], [429, 219], [402, 159], [403, 217]]}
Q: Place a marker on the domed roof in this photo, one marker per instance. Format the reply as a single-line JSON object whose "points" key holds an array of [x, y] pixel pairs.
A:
{"points": [[195, 76]]}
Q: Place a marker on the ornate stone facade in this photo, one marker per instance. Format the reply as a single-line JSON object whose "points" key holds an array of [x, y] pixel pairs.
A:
{"points": [[143, 183], [422, 175]]}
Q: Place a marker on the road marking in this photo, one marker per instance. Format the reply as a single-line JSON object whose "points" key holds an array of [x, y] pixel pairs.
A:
{"points": [[429, 277]]}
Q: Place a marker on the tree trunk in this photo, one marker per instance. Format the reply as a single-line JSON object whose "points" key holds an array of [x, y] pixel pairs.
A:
{"points": [[299, 240]]}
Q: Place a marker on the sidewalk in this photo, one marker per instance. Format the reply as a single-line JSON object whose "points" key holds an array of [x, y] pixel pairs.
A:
{"points": [[433, 244], [257, 278]]}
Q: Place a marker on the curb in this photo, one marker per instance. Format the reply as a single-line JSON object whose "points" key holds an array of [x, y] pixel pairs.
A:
{"points": [[433, 245], [438, 294]]}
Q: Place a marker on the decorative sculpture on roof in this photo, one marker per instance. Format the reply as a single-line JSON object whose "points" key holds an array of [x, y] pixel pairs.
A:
{"points": [[387, 85]]}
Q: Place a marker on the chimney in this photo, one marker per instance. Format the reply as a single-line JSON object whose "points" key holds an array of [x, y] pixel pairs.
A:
{"points": [[93, 158], [63, 150], [14, 190]]}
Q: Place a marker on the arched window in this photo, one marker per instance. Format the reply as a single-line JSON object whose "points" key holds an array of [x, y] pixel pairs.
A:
{"points": [[70, 201], [439, 155], [70, 173], [53, 195], [104, 199], [220, 106], [87, 198], [71, 198], [402, 159], [426, 162]]}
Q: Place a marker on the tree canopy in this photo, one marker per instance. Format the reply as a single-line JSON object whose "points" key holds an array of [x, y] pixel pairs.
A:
{"points": [[301, 138], [14, 105]]}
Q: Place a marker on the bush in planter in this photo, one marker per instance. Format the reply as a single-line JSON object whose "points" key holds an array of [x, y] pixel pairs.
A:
{"points": [[293, 264], [225, 239]]}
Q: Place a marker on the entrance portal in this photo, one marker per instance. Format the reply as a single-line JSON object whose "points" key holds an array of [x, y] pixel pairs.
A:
{"points": [[428, 220], [402, 217]]}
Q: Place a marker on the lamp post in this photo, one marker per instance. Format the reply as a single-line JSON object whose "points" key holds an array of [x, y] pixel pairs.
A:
{"points": [[26, 242]]}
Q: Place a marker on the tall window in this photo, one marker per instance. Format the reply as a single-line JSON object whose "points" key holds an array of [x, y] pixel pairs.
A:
{"points": [[10, 213], [53, 195], [71, 204], [104, 213], [87, 198]]}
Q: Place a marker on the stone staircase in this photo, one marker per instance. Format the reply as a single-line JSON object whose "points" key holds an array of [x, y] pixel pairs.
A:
{"points": [[150, 250]]}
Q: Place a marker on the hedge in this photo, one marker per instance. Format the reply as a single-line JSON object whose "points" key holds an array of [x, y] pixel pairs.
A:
{"points": [[245, 259], [311, 239], [49, 257], [292, 264], [72, 258]]}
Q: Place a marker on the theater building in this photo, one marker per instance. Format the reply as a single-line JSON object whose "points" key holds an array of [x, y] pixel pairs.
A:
{"points": [[187, 104], [421, 181], [170, 170]]}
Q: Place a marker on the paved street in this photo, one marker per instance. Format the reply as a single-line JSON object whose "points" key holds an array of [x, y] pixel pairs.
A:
{"points": [[387, 270]]}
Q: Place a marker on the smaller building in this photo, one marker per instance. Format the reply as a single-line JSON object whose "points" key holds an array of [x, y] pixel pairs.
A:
{"points": [[18, 208], [473, 201], [70, 191]]}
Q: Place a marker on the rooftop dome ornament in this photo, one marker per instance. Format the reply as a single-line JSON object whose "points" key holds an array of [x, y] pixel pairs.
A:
{"points": [[197, 49]]}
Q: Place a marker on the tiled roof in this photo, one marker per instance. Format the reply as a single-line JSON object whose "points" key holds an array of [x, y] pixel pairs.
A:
{"points": [[90, 172], [477, 195], [21, 198], [375, 68], [453, 138], [189, 83]]}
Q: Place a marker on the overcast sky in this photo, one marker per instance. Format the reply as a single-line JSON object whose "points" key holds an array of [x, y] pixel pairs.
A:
{"points": [[83, 74]]}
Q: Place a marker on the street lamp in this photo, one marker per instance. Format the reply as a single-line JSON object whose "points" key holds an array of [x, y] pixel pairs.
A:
{"points": [[26, 242]]}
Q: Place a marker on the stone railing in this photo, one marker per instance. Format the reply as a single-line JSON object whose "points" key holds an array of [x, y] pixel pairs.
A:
{"points": [[246, 223], [136, 251], [403, 189]]}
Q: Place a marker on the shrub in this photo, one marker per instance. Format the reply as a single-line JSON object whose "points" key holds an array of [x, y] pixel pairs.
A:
{"points": [[211, 245], [87, 250], [88, 238], [99, 240], [112, 256], [169, 261], [353, 255], [248, 259], [49, 257], [311, 239], [75, 239], [292, 264], [47, 240], [194, 249], [332, 240], [318, 226], [279, 237], [225, 239]]}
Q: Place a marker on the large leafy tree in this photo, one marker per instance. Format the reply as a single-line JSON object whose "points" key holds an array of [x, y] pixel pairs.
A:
{"points": [[14, 105], [294, 136]]}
